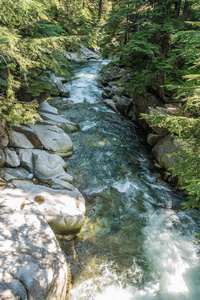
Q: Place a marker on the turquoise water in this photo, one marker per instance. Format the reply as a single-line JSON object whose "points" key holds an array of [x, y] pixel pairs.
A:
{"points": [[130, 246]]}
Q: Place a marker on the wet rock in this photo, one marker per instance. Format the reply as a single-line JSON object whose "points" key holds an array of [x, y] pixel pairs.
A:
{"points": [[111, 84], [111, 103], [162, 149], [107, 76], [117, 90], [105, 95], [53, 138], [59, 88], [107, 89], [32, 263]]}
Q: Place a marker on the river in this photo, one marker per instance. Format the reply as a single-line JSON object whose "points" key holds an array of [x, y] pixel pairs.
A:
{"points": [[130, 246]]}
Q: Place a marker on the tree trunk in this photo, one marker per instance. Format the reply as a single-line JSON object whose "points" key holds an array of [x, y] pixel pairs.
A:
{"points": [[100, 9]]}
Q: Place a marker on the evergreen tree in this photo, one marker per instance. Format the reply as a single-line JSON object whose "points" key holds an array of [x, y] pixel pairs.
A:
{"points": [[158, 43]]}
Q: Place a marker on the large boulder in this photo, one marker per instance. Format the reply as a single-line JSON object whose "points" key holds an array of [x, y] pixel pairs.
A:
{"points": [[24, 131], [53, 138], [46, 107], [111, 103], [153, 139], [10, 158], [160, 151], [82, 54], [43, 165], [142, 104], [123, 104], [63, 209], [32, 263], [57, 120], [19, 140]]}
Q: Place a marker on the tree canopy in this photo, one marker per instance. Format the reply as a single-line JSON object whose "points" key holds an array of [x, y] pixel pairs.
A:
{"points": [[34, 34]]}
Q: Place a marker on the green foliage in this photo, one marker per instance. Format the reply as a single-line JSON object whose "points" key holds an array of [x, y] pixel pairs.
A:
{"points": [[14, 112], [34, 35], [187, 130], [158, 44]]}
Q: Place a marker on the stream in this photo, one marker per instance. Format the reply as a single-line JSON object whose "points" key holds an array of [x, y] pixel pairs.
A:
{"points": [[130, 246]]}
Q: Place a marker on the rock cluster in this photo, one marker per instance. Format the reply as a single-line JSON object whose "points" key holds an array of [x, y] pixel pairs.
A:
{"points": [[132, 104], [37, 196]]}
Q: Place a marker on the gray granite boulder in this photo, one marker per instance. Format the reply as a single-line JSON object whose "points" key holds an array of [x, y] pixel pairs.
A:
{"points": [[153, 139], [63, 209], [57, 120], [53, 138], [46, 107], [32, 263], [111, 103], [19, 140], [10, 158], [160, 151], [44, 165], [15, 173], [123, 104]]}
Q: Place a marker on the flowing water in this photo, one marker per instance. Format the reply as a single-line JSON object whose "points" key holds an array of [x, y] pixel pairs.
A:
{"points": [[130, 246]]}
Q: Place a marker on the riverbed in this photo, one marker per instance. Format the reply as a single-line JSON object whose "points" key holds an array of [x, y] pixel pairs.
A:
{"points": [[130, 247]]}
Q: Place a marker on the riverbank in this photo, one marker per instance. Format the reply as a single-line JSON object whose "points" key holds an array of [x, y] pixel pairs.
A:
{"points": [[37, 192], [132, 105]]}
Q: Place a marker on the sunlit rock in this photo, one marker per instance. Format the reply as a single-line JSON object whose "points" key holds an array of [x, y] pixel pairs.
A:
{"points": [[29, 134], [19, 140], [57, 120], [32, 263], [43, 164], [53, 138], [15, 173], [63, 209], [46, 107], [10, 158]]}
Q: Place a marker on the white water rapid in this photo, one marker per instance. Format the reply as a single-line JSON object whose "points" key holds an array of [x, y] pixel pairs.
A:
{"points": [[130, 247]]}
